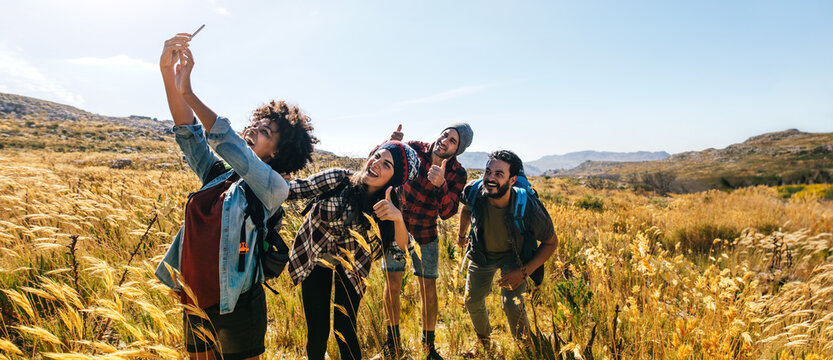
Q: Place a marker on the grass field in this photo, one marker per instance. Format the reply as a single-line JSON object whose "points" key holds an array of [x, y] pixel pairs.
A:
{"points": [[746, 274]]}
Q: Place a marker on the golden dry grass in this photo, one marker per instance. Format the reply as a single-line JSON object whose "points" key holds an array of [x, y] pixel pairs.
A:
{"points": [[746, 274]]}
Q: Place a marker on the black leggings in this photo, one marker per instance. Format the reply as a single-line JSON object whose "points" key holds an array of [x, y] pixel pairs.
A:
{"points": [[315, 291]]}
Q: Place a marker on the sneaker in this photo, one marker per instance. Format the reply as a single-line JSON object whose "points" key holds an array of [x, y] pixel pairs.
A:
{"points": [[433, 354]]}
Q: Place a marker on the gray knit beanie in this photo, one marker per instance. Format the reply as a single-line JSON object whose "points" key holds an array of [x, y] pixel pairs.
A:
{"points": [[465, 133]]}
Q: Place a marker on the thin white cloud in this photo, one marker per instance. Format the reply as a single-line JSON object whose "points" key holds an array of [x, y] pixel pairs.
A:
{"points": [[445, 95], [18, 76], [222, 11], [122, 62]]}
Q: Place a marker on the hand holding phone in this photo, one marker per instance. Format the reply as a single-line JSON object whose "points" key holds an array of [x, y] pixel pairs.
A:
{"points": [[197, 32]]}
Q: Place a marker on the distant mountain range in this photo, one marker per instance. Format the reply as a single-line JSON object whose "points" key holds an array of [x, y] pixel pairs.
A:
{"points": [[477, 160], [783, 157]]}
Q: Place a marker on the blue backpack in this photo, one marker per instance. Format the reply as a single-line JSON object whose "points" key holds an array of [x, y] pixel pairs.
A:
{"points": [[523, 190]]}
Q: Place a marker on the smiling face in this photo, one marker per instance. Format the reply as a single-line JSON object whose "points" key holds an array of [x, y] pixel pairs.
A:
{"points": [[263, 137], [378, 170], [496, 179], [446, 145]]}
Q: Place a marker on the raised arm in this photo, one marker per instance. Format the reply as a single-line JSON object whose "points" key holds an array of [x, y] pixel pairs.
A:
{"points": [[450, 194], [204, 113], [189, 136], [267, 185], [317, 184], [386, 210], [172, 77]]}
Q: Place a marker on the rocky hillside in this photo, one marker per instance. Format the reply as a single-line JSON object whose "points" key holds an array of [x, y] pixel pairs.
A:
{"points": [[136, 142], [26, 108], [29, 123], [784, 157]]}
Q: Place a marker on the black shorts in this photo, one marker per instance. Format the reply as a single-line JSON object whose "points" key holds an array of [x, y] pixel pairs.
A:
{"points": [[239, 334]]}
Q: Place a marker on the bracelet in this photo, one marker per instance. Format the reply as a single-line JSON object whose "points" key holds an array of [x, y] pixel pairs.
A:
{"points": [[462, 236], [523, 271]]}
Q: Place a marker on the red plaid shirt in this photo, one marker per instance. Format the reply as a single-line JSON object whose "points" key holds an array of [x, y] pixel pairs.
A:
{"points": [[422, 202]]}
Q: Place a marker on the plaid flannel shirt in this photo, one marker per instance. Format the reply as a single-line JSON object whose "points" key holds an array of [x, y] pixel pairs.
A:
{"points": [[326, 230], [422, 202]]}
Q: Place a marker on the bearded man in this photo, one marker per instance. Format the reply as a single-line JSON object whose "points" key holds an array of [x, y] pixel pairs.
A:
{"points": [[489, 211]]}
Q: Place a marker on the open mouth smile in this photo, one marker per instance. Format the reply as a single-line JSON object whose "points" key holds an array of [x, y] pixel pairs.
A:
{"points": [[247, 136]]}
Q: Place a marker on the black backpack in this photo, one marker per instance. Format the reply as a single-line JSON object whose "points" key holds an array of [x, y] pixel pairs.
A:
{"points": [[272, 254]]}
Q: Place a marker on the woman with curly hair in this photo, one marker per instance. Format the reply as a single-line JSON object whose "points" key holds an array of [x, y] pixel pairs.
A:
{"points": [[327, 250], [210, 262]]}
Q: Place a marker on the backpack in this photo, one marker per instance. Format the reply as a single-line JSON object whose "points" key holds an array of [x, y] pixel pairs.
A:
{"points": [[272, 254], [524, 192]]}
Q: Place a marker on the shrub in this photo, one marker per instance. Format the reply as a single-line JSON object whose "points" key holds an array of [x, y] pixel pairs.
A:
{"points": [[590, 202]]}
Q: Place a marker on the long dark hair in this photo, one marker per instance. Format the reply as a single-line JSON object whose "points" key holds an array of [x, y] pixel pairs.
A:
{"points": [[363, 201]]}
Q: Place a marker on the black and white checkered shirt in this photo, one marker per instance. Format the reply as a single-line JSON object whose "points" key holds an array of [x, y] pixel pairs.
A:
{"points": [[326, 229]]}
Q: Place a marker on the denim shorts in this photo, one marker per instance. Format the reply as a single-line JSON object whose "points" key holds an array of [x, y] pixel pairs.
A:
{"points": [[426, 268]]}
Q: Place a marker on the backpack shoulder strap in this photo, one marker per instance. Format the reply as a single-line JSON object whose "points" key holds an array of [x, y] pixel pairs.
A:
{"points": [[254, 207], [472, 194], [254, 211], [218, 168], [275, 219], [520, 209]]}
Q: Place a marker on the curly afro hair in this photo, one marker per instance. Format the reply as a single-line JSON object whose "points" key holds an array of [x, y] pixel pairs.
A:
{"points": [[296, 142]]}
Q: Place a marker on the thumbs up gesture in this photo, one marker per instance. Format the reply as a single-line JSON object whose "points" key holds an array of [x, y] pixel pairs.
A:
{"points": [[436, 174], [385, 210], [397, 135]]}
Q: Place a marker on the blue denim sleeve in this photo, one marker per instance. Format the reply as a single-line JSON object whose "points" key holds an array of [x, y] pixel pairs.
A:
{"points": [[191, 139], [168, 268], [269, 186]]}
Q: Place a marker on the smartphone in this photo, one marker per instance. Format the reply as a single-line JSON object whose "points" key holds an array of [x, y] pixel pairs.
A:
{"points": [[196, 32]]}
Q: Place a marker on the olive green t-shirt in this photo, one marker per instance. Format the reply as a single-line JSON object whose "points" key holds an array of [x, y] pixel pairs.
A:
{"points": [[495, 233]]}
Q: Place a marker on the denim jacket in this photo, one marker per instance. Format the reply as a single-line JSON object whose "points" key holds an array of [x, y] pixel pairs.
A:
{"points": [[267, 184]]}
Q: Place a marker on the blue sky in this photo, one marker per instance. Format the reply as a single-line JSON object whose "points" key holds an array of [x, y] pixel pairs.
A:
{"points": [[539, 78]]}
